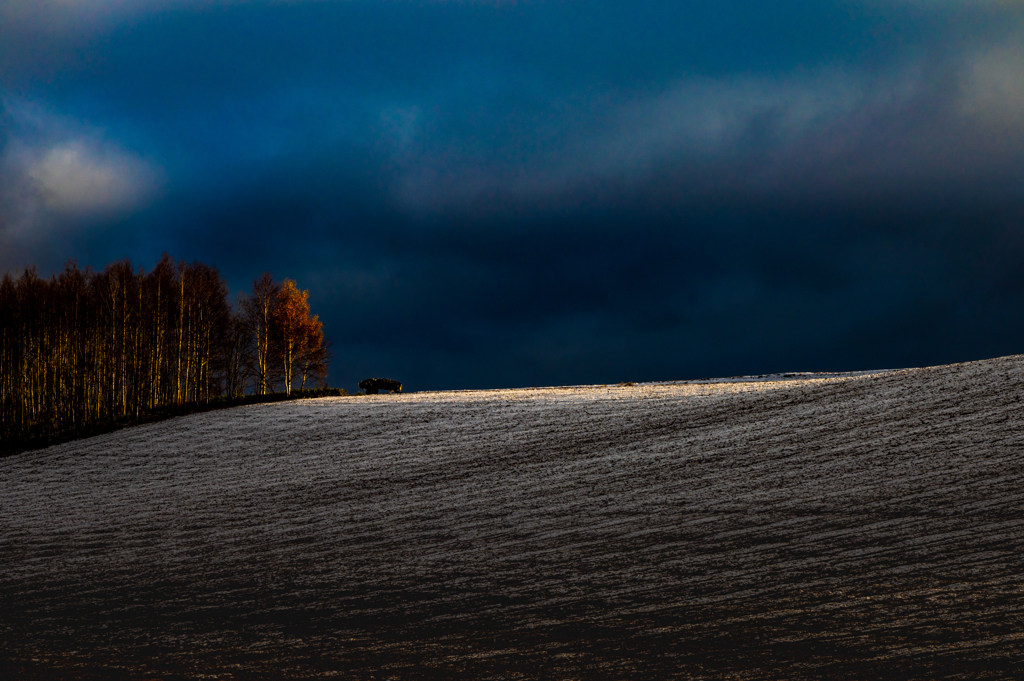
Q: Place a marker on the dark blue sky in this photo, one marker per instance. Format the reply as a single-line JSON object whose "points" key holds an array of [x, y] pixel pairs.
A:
{"points": [[495, 194]]}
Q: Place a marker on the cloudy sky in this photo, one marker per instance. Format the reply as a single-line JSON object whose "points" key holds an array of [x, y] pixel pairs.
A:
{"points": [[514, 193]]}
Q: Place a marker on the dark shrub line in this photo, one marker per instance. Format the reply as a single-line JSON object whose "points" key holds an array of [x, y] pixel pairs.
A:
{"points": [[18, 445]]}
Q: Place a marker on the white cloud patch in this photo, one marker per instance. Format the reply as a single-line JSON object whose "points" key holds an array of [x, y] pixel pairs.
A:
{"points": [[707, 117], [57, 174], [994, 85], [834, 130], [700, 121], [82, 177]]}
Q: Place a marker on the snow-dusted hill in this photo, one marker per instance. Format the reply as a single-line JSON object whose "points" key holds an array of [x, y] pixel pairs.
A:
{"points": [[857, 526]]}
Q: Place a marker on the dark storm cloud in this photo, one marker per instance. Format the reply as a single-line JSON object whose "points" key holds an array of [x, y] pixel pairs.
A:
{"points": [[493, 194]]}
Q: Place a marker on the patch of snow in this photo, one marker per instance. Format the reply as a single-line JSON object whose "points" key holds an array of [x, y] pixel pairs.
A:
{"points": [[463, 528]]}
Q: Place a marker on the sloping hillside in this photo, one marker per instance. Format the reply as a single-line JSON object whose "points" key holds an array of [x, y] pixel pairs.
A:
{"points": [[848, 527]]}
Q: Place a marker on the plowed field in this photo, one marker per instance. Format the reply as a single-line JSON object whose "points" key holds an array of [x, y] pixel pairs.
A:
{"points": [[865, 526]]}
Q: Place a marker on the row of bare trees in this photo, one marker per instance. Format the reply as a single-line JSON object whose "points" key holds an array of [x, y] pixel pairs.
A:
{"points": [[84, 348]]}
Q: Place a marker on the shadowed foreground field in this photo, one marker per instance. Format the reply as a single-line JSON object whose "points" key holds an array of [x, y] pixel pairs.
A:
{"points": [[851, 527]]}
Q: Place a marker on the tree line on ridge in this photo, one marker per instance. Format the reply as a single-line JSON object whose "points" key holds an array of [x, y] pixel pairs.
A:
{"points": [[86, 348]]}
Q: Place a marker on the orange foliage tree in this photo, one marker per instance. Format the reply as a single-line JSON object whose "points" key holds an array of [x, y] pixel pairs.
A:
{"points": [[299, 336]]}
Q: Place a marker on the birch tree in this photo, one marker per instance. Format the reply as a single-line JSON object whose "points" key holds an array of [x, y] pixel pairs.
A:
{"points": [[260, 308]]}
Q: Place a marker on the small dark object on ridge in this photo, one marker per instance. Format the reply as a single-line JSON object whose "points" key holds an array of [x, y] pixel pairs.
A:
{"points": [[373, 385], [627, 384]]}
